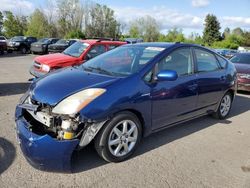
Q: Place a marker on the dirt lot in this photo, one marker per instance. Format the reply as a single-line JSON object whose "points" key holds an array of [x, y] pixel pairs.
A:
{"points": [[200, 153]]}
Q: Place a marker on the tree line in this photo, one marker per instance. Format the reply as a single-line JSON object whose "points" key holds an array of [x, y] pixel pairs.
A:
{"points": [[86, 19]]}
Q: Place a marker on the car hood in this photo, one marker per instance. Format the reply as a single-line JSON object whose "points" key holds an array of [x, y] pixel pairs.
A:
{"points": [[56, 86], [242, 68], [54, 59]]}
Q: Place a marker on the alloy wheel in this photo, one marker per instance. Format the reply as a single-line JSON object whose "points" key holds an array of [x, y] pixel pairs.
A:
{"points": [[123, 138], [225, 105]]}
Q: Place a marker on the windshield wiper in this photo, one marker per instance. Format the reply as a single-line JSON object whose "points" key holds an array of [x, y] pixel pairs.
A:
{"points": [[99, 69]]}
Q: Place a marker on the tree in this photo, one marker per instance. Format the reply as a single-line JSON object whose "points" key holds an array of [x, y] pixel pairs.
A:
{"points": [[238, 31], [211, 31], [246, 39], [175, 35], [102, 22], [14, 25], [70, 13], [146, 28], [1, 23], [75, 35], [226, 33], [38, 25]]}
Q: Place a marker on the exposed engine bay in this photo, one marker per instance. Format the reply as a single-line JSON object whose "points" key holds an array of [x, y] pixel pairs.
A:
{"points": [[61, 127]]}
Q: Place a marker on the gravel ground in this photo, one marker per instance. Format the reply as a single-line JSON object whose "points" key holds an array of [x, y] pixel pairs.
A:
{"points": [[200, 153]]}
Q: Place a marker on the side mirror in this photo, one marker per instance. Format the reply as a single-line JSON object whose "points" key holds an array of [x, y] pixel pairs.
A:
{"points": [[167, 75]]}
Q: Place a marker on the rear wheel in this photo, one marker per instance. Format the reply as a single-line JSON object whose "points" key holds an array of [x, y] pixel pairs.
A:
{"points": [[224, 107], [119, 138]]}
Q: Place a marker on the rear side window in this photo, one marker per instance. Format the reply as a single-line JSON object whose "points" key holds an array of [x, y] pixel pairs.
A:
{"points": [[97, 50], [223, 62], [206, 61]]}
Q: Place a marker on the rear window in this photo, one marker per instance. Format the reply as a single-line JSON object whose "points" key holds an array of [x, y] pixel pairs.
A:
{"points": [[206, 61]]}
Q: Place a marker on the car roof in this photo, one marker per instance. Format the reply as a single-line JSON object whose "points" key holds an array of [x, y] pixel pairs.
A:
{"points": [[165, 44], [94, 41]]}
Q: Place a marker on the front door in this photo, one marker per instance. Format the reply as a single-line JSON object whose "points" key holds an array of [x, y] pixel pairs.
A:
{"points": [[174, 101]]}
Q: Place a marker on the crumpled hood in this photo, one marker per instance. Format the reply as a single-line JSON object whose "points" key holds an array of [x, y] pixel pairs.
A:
{"points": [[56, 58], [58, 85], [242, 68]]}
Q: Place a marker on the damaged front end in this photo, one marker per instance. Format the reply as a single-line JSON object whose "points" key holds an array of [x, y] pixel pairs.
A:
{"points": [[48, 140]]}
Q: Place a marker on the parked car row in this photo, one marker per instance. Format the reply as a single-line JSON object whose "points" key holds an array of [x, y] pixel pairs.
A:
{"points": [[28, 44], [115, 98]]}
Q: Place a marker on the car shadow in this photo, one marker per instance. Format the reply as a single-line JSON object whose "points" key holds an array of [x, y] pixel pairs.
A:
{"points": [[88, 158], [13, 88], [14, 54], [7, 154]]}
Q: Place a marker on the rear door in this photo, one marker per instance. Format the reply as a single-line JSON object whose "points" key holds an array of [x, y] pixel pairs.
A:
{"points": [[211, 79]]}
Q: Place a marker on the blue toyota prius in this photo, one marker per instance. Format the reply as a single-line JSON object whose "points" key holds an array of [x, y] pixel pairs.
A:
{"points": [[119, 97]]}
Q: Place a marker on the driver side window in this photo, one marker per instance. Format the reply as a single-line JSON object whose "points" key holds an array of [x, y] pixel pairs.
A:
{"points": [[96, 50], [179, 60]]}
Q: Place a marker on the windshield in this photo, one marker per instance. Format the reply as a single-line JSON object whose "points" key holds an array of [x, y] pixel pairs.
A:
{"points": [[2, 38], [18, 38], [45, 40], [62, 41], [122, 61], [76, 49], [241, 58]]}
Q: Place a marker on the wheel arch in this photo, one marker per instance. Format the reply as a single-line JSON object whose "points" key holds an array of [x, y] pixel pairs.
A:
{"points": [[137, 114]]}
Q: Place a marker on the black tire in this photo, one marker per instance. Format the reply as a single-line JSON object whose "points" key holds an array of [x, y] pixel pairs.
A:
{"points": [[218, 114], [23, 50], [102, 138]]}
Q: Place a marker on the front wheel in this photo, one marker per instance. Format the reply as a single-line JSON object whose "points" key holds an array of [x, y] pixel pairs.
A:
{"points": [[119, 138], [224, 107]]}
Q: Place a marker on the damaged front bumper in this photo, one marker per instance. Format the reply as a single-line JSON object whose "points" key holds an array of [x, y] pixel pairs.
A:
{"points": [[45, 152]]}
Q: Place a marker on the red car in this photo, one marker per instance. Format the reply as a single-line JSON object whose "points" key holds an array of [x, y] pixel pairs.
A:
{"points": [[242, 65], [76, 54]]}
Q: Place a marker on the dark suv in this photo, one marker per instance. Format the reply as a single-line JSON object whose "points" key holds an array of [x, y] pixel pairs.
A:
{"points": [[21, 43], [41, 46], [61, 45]]}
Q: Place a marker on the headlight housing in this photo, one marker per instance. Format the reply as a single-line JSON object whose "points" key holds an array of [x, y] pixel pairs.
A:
{"points": [[74, 103], [45, 68]]}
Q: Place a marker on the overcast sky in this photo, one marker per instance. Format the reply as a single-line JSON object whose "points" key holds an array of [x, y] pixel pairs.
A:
{"points": [[186, 14]]}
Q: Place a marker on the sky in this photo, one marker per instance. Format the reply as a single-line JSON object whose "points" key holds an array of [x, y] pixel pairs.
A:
{"points": [[186, 14]]}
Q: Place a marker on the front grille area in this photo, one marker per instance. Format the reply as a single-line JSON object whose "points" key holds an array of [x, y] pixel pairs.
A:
{"points": [[37, 127]]}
